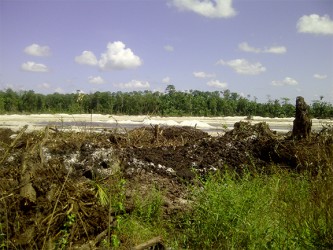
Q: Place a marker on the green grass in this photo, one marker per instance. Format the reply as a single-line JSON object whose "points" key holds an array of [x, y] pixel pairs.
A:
{"points": [[281, 211], [143, 223]]}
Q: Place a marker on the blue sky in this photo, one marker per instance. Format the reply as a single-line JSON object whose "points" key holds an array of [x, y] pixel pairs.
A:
{"points": [[259, 48]]}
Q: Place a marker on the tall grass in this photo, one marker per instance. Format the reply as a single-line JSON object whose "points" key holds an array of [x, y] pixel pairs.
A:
{"points": [[281, 211], [143, 223]]}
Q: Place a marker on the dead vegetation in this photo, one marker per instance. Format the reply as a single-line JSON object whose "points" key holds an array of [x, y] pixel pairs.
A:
{"points": [[51, 182]]}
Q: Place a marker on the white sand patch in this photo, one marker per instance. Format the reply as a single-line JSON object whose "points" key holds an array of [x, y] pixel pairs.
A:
{"points": [[196, 124], [210, 124], [160, 122]]}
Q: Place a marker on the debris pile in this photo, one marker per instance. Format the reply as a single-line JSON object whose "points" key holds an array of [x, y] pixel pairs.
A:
{"points": [[49, 180]]}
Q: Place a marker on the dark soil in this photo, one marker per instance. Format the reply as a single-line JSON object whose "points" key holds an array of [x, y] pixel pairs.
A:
{"points": [[46, 176]]}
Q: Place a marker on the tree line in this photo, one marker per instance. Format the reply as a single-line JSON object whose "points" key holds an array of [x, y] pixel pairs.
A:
{"points": [[169, 103]]}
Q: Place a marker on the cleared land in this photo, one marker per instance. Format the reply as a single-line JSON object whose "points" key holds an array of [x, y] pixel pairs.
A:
{"points": [[77, 185]]}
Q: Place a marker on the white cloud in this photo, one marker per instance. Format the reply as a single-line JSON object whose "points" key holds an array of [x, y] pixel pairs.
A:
{"points": [[169, 48], [315, 24], [166, 80], [207, 8], [242, 66], [134, 84], [44, 85], [34, 67], [201, 74], [87, 57], [37, 50], [274, 49], [245, 47], [59, 90], [118, 57], [217, 84], [319, 76], [285, 81], [96, 80]]}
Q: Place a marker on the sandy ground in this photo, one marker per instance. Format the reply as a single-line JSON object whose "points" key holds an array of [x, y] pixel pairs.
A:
{"points": [[212, 125]]}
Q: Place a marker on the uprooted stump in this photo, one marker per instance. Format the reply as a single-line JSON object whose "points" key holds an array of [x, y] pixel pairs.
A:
{"points": [[302, 123]]}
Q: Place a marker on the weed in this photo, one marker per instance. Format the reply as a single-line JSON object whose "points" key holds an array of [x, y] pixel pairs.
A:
{"points": [[115, 241], [149, 209], [65, 231], [258, 212], [101, 194], [118, 199]]}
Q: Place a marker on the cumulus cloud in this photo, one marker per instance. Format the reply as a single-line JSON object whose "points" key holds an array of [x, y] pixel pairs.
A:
{"points": [[319, 76], [87, 57], [201, 74], [169, 48], [207, 8], [285, 81], [96, 80], [246, 47], [134, 84], [217, 84], [166, 80], [274, 49], [34, 67], [242, 66], [37, 50], [116, 57], [315, 24]]}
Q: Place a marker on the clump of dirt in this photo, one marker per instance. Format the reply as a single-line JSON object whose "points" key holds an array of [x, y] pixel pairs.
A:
{"points": [[157, 136], [245, 148], [50, 180]]}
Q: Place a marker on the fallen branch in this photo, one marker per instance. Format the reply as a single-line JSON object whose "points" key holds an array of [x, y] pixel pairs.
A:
{"points": [[150, 243], [92, 243], [6, 196]]}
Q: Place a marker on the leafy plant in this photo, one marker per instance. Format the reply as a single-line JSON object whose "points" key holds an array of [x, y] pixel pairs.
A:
{"points": [[65, 231], [102, 195]]}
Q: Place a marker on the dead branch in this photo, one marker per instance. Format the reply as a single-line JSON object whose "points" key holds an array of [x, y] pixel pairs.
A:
{"points": [[150, 243]]}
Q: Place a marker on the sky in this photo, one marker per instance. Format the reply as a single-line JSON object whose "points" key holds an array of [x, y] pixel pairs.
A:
{"points": [[261, 49]]}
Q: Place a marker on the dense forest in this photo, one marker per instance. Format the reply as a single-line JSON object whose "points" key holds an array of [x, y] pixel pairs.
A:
{"points": [[169, 103]]}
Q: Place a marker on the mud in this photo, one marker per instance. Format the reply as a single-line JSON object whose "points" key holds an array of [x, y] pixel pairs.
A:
{"points": [[47, 177]]}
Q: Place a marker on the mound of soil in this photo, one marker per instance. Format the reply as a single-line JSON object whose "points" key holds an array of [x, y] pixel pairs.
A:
{"points": [[48, 179]]}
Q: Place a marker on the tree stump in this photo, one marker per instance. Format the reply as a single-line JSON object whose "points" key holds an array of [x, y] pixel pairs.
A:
{"points": [[302, 123]]}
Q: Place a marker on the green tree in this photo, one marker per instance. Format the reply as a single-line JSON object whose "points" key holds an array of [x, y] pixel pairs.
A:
{"points": [[29, 102], [170, 89], [11, 101]]}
